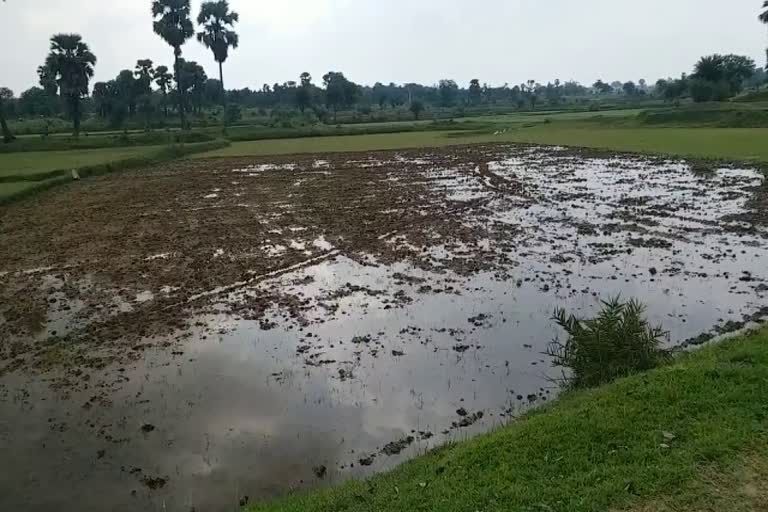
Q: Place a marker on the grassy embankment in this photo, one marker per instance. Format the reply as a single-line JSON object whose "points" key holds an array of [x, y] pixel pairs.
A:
{"points": [[688, 436], [24, 173]]}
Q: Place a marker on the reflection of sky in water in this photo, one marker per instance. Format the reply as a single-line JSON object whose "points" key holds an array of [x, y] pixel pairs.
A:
{"points": [[242, 412]]}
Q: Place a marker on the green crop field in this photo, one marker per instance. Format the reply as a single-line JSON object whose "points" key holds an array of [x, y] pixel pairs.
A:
{"points": [[25, 163], [747, 144]]}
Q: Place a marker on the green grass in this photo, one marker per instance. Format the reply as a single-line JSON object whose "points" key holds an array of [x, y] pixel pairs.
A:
{"points": [[45, 174], [650, 438], [335, 144], [24, 163], [742, 144]]}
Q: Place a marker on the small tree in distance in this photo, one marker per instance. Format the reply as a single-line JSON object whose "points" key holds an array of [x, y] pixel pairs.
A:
{"points": [[5, 94], [304, 92], [417, 107], [164, 80]]}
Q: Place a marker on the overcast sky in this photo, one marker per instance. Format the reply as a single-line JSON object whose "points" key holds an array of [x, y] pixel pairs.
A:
{"points": [[421, 41]]}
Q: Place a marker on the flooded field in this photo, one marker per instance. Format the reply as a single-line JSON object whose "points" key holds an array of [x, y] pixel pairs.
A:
{"points": [[213, 332]]}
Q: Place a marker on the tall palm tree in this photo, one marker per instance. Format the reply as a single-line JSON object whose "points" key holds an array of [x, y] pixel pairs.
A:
{"points": [[163, 79], [764, 18], [70, 64], [7, 135], [218, 35], [174, 25]]}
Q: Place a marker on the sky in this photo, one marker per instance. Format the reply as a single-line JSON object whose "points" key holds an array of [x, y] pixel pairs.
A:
{"points": [[423, 41]]}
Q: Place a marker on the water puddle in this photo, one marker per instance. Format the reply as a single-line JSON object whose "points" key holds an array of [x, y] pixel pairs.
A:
{"points": [[413, 320]]}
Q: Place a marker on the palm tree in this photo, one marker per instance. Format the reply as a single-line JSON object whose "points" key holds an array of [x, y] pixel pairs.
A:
{"points": [[174, 26], [7, 135], [70, 64], [217, 34], [764, 18], [144, 73], [163, 79]]}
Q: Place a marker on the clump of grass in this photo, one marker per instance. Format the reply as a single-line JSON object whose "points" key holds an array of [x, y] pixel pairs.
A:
{"points": [[618, 342]]}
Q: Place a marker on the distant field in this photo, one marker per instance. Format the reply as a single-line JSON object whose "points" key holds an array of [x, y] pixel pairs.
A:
{"points": [[727, 143], [339, 144]]}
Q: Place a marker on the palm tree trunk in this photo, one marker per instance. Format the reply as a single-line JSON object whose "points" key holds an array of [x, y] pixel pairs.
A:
{"points": [[75, 109], [223, 97], [7, 135], [182, 114]]}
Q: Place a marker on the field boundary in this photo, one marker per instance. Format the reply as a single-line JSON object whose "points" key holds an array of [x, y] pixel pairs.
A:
{"points": [[55, 178]]}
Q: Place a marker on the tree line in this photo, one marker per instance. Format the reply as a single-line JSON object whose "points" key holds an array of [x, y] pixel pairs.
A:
{"points": [[148, 90]]}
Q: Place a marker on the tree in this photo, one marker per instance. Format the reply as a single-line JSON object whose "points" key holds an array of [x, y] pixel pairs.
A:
{"points": [[192, 80], [417, 107], [35, 101], [629, 88], [475, 92], [70, 64], [102, 98], [7, 135], [601, 87], [173, 24], [218, 35], [126, 90], [723, 75], [164, 80], [144, 73], [531, 89], [672, 90], [448, 92], [5, 94], [304, 92], [339, 91], [764, 18]]}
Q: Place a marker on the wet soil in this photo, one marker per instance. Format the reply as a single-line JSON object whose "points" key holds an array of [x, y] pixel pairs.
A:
{"points": [[217, 331]]}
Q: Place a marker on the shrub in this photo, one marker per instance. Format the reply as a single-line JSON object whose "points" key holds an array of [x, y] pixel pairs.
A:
{"points": [[233, 113], [704, 90], [616, 343]]}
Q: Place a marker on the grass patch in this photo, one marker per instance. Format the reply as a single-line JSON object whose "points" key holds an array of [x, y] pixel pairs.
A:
{"points": [[736, 144], [26, 164], [652, 436], [13, 188], [106, 141], [334, 144]]}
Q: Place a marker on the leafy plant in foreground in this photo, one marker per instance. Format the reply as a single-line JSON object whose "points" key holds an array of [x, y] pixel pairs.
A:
{"points": [[616, 343]]}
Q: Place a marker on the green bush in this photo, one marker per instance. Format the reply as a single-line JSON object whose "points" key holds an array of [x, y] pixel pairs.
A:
{"points": [[616, 343], [704, 90]]}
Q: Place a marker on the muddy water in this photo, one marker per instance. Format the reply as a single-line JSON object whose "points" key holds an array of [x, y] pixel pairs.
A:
{"points": [[362, 365]]}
